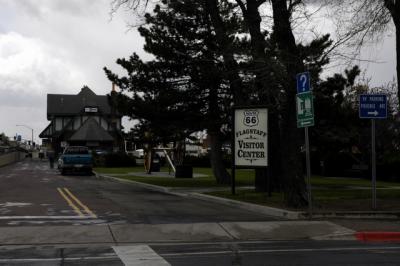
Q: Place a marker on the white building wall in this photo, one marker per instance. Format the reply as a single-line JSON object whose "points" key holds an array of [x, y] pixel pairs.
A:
{"points": [[58, 122]]}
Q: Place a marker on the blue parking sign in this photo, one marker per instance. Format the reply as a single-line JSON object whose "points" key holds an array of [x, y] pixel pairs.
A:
{"points": [[373, 106], [303, 82]]}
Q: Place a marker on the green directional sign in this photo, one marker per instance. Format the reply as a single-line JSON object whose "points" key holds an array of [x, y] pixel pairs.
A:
{"points": [[305, 109]]}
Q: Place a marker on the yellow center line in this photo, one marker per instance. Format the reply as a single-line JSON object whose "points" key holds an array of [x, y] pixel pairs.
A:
{"points": [[70, 203], [84, 207]]}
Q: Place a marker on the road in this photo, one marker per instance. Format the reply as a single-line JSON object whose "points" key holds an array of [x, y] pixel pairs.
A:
{"points": [[304, 253], [33, 194], [49, 219]]}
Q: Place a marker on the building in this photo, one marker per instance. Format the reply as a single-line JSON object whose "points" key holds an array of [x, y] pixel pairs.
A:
{"points": [[85, 119]]}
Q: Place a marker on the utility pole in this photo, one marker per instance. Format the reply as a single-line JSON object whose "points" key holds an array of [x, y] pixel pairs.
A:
{"points": [[31, 135]]}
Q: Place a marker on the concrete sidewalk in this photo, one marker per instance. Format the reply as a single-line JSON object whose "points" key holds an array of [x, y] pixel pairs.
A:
{"points": [[195, 232]]}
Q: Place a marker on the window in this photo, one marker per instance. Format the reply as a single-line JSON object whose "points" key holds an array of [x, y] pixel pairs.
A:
{"points": [[77, 150]]}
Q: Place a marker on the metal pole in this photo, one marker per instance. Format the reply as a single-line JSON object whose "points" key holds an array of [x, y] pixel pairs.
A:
{"points": [[169, 161], [233, 153], [373, 159], [308, 167]]}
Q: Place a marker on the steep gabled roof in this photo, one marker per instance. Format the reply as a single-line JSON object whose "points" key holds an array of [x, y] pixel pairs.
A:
{"points": [[47, 132], [91, 131], [66, 104]]}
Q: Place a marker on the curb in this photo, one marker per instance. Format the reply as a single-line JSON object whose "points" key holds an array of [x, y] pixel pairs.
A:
{"points": [[378, 236], [161, 189], [337, 237], [357, 215], [281, 213]]}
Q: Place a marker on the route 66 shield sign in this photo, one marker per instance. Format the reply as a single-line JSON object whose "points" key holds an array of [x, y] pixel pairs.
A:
{"points": [[250, 118], [250, 137]]}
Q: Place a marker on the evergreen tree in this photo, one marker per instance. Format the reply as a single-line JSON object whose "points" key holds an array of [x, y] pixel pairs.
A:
{"points": [[184, 89]]}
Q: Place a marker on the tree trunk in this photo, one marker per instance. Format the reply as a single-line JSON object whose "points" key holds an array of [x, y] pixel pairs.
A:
{"points": [[179, 155], [232, 74], [268, 94], [294, 184], [216, 159], [225, 44], [397, 25]]}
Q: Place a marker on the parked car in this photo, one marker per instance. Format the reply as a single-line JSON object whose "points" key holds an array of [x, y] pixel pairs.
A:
{"points": [[75, 158]]}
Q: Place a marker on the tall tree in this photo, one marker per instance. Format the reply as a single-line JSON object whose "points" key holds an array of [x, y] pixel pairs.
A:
{"points": [[360, 21], [295, 192], [4, 140], [338, 127], [271, 70], [188, 63], [264, 68]]}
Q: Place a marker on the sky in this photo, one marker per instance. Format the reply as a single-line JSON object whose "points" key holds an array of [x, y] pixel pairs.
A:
{"points": [[57, 46]]}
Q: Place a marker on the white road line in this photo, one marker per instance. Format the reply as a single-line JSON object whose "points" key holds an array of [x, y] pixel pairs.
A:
{"points": [[56, 259], [45, 217], [139, 255], [279, 250]]}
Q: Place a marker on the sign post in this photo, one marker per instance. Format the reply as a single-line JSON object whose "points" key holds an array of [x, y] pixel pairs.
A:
{"points": [[373, 106], [305, 118], [373, 163], [250, 139]]}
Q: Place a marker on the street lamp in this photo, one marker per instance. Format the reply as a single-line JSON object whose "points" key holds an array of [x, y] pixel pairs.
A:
{"points": [[31, 130]]}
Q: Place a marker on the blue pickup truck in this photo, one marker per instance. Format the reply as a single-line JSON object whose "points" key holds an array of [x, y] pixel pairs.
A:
{"points": [[75, 158]]}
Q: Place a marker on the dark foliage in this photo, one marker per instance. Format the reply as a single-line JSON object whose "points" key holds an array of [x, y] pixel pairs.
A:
{"points": [[114, 160]]}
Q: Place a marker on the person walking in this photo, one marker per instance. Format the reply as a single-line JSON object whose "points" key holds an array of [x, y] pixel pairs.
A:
{"points": [[51, 155]]}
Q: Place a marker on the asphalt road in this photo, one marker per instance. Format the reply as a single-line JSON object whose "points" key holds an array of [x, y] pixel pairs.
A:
{"points": [[33, 194], [304, 253]]}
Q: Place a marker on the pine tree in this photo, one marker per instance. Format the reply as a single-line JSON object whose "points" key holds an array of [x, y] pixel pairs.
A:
{"points": [[184, 89]]}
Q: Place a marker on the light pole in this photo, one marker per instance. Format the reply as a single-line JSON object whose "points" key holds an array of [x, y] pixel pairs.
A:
{"points": [[32, 133]]}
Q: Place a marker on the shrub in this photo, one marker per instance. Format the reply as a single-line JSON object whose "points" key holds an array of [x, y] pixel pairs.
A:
{"points": [[339, 164], [114, 160], [389, 167]]}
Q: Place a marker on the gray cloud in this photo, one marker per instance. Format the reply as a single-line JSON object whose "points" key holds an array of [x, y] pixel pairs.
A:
{"points": [[56, 46], [42, 8]]}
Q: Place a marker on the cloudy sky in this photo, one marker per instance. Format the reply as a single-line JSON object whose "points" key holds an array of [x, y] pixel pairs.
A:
{"points": [[57, 46]]}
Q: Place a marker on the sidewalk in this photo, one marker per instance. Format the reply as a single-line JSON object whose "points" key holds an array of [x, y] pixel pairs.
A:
{"points": [[195, 232]]}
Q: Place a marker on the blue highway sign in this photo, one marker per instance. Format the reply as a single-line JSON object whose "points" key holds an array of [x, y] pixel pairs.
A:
{"points": [[303, 82], [373, 106]]}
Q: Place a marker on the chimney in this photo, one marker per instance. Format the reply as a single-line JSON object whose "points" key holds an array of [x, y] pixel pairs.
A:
{"points": [[113, 87]]}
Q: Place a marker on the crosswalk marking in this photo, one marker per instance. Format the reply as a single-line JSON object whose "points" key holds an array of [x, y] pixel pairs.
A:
{"points": [[139, 255]]}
